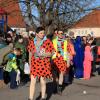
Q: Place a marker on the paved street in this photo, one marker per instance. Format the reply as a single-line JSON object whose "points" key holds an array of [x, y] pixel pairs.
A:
{"points": [[91, 89]]}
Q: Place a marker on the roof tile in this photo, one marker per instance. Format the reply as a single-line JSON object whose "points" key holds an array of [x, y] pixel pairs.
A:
{"points": [[90, 20], [15, 18]]}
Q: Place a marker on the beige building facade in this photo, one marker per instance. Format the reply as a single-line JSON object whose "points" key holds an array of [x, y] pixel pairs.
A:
{"points": [[85, 31], [89, 24]]}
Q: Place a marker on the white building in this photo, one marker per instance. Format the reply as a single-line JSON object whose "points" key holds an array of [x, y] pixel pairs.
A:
{"points": [[89, 24]]}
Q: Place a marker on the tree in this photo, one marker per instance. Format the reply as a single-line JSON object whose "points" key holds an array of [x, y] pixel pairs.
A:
{"points": [[52, 13]]}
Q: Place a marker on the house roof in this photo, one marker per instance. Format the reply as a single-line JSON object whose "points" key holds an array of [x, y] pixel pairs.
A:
{"points": [[90, 20], [15, 18], [2, 11]]}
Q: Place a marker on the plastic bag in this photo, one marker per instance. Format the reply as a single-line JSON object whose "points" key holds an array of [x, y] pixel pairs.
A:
{"points": [[26, 68]]}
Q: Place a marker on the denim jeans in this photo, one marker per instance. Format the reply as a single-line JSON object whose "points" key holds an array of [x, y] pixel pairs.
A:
{"points": [[1, 73], [13, 83]]}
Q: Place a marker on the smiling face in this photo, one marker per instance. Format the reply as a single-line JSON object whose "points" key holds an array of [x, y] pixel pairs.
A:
{"points": [[40, 34], [60, 34]]}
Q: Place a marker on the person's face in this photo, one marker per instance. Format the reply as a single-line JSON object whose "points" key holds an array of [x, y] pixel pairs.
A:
{"points": [[84, 38], [15, 52], [88, 36], [11, 34], [60, 34], [9, 39], [56, 32], [40, 34], [90, 41], [20, 40]]}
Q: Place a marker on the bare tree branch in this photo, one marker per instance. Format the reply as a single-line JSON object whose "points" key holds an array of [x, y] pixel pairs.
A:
{"points": [[50, 13]]}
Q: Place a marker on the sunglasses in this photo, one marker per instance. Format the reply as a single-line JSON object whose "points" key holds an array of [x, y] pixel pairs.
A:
{"points": [[60, 33]]}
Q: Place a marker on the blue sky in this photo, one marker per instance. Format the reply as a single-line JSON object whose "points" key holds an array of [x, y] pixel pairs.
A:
{"points": [[96, 3]]}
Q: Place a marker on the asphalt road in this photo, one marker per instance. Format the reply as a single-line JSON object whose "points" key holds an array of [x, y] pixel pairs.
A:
{"points": [[79, 90]]}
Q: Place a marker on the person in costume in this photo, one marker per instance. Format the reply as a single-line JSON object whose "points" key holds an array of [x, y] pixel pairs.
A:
{"points": [[87, 62], [41, 49], [68, 77], [60, 57], [78, 58], [12, 68]]}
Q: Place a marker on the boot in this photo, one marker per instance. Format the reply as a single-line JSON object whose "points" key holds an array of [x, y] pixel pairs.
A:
{"points": [[59, 89]]}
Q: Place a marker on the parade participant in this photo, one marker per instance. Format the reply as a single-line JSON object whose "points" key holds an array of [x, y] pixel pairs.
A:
{"points": [[78, 58], [68, 77], [87, 62], [59, 58], [41, 49]]}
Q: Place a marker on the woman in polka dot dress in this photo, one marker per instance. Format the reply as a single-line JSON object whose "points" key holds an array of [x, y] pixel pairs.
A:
{"points": [[41, 49]]}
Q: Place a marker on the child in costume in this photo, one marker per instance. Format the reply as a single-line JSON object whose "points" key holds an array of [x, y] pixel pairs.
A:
{"points": [[12, 68]]}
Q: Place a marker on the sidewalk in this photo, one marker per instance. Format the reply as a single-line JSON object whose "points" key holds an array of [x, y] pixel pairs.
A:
{"points": [[79, 90]]}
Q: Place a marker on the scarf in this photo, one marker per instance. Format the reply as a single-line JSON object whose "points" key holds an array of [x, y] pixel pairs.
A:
{"points": [[40, 44]]}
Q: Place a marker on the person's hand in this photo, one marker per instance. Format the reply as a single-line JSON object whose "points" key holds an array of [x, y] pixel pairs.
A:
{"points": [[36, 54], [42, 52]]}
